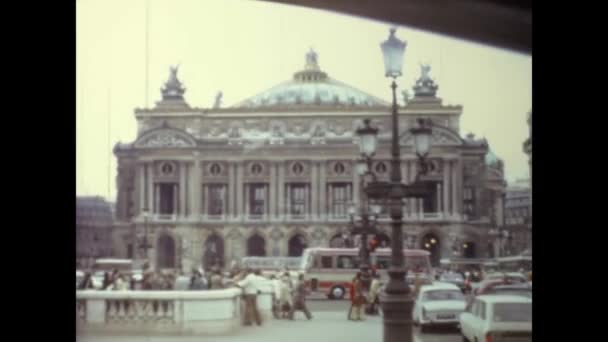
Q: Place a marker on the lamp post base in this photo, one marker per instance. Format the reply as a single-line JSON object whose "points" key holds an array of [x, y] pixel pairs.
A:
{"points": [[397, 320], [397, 305]]}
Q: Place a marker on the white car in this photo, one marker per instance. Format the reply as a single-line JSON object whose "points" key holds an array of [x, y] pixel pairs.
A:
{"points": [[498, 318], [439, 304]]}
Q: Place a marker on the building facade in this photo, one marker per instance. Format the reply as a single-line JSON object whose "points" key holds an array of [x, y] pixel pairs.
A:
{"points": [[94, 224], [274, 174], [518, 218]]}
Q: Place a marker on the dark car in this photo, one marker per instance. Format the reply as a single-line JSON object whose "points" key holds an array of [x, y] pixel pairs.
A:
{"points": [[453, 278]]}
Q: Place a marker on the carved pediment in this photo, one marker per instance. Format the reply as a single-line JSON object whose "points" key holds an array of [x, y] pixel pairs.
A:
{"points": [[440, 137], [165, 138]]}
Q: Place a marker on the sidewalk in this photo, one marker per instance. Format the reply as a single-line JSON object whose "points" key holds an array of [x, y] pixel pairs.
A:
{"points": [[325, 326]]}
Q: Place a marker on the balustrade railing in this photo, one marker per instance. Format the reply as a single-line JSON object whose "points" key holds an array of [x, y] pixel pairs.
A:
{"points": [[172, 312]]}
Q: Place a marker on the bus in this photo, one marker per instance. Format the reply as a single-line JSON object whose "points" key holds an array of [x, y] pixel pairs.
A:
{"points": [[329, 271]]}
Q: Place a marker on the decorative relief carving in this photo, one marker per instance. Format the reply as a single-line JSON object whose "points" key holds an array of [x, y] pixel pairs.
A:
{"points": [[215, 169], [257, 168], [340, 168], [276, 234], [165, 139]]}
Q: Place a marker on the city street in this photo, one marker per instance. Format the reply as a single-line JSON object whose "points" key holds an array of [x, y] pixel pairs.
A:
{"points": [[329, 323]]}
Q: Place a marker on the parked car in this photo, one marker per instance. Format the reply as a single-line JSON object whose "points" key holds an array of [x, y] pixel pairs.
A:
{"points": [[453, 278], [513, 276], [521, 289], [488, 286], [498, 318], [439, 304]]}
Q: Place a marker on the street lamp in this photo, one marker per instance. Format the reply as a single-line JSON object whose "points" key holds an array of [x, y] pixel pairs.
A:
{"points": [[396, 299]]}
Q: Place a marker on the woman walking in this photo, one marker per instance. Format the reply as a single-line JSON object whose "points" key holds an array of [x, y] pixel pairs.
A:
{"points": [[357, 299]]}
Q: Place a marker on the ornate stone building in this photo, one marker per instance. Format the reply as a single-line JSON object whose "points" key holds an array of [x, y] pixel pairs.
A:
{"points": [[518, 218], [275, 173]]}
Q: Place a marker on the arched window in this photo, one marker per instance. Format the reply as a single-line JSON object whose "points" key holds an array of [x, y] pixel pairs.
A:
{"points": [[339, 168], [215, 169], [256, 246], [167, 168], [256, 169], [297, 168], [381, 168]]}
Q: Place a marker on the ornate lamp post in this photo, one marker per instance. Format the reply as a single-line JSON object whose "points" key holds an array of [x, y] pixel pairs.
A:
{"points": [[396, 299]]}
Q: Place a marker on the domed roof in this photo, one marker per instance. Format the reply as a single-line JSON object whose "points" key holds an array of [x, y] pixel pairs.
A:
{"points": [[491, 158], [312, 86]]}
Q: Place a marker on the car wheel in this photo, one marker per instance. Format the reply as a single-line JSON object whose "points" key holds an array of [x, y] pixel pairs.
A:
{"points": [[424, 328], [464, 339], [337, 292]]}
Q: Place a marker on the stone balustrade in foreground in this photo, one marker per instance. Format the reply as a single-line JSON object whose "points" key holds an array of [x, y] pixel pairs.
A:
{"points": [[209, 312]]}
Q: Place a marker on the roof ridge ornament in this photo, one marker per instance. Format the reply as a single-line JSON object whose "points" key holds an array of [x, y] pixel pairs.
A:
{"points": [[312, 60], [173, 89], [425, 85]]}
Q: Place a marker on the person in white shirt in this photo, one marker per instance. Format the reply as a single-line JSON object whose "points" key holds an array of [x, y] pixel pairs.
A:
{"points": [[250, 289]]}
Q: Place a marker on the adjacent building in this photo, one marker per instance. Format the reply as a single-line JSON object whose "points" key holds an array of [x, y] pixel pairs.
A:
{"points": [[274, 174], [94, 224], [518, 219]]}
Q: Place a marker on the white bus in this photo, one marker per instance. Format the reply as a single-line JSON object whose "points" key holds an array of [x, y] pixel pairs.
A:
{"points": [[329, 271]]}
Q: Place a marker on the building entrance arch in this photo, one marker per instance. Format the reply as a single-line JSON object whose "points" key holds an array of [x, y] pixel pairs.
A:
{"points": [[469, 250], [166, 252], [431, 243], [214, 252], [296, 246], [256, 246]]}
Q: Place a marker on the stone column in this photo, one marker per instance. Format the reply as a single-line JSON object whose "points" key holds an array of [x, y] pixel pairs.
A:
{"points": [[195, 188], [149, 187], [459, 182], [404, 176], [281, 188], [231, 190], [412, 177], [239, 189], [356, 193], [175, 199], [446, 187], [439, 198], [314, 189], [454, 184], [156, 207], [273, 190], [322, 190], [141, 176], [182, 189]]}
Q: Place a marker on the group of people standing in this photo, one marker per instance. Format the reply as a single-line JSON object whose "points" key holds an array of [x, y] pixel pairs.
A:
{"points": [[364, 295], [289, 296]]}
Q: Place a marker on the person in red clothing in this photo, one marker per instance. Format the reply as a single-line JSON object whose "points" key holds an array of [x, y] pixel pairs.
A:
{"points": [[357, 300]]}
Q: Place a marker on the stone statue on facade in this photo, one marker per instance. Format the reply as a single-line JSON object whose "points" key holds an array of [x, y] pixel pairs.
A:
{"points": [[425, 69], [218, 100], [311, 57], [406, 97]]}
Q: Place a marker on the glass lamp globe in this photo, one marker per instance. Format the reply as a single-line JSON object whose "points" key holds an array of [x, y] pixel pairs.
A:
{"points": [[422, 136], [392, 51], [368, 139]]}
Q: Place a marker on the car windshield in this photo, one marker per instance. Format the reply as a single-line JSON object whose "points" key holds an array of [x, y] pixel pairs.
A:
{"points": [[513, 312], [436, 295]]}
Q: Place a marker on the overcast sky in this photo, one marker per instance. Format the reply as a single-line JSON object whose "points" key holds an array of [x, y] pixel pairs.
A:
{"points": [[243, 47]]}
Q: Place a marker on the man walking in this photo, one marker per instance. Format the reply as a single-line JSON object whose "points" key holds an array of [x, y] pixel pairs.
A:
{"points": [[299, 299], [250, 288]]}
